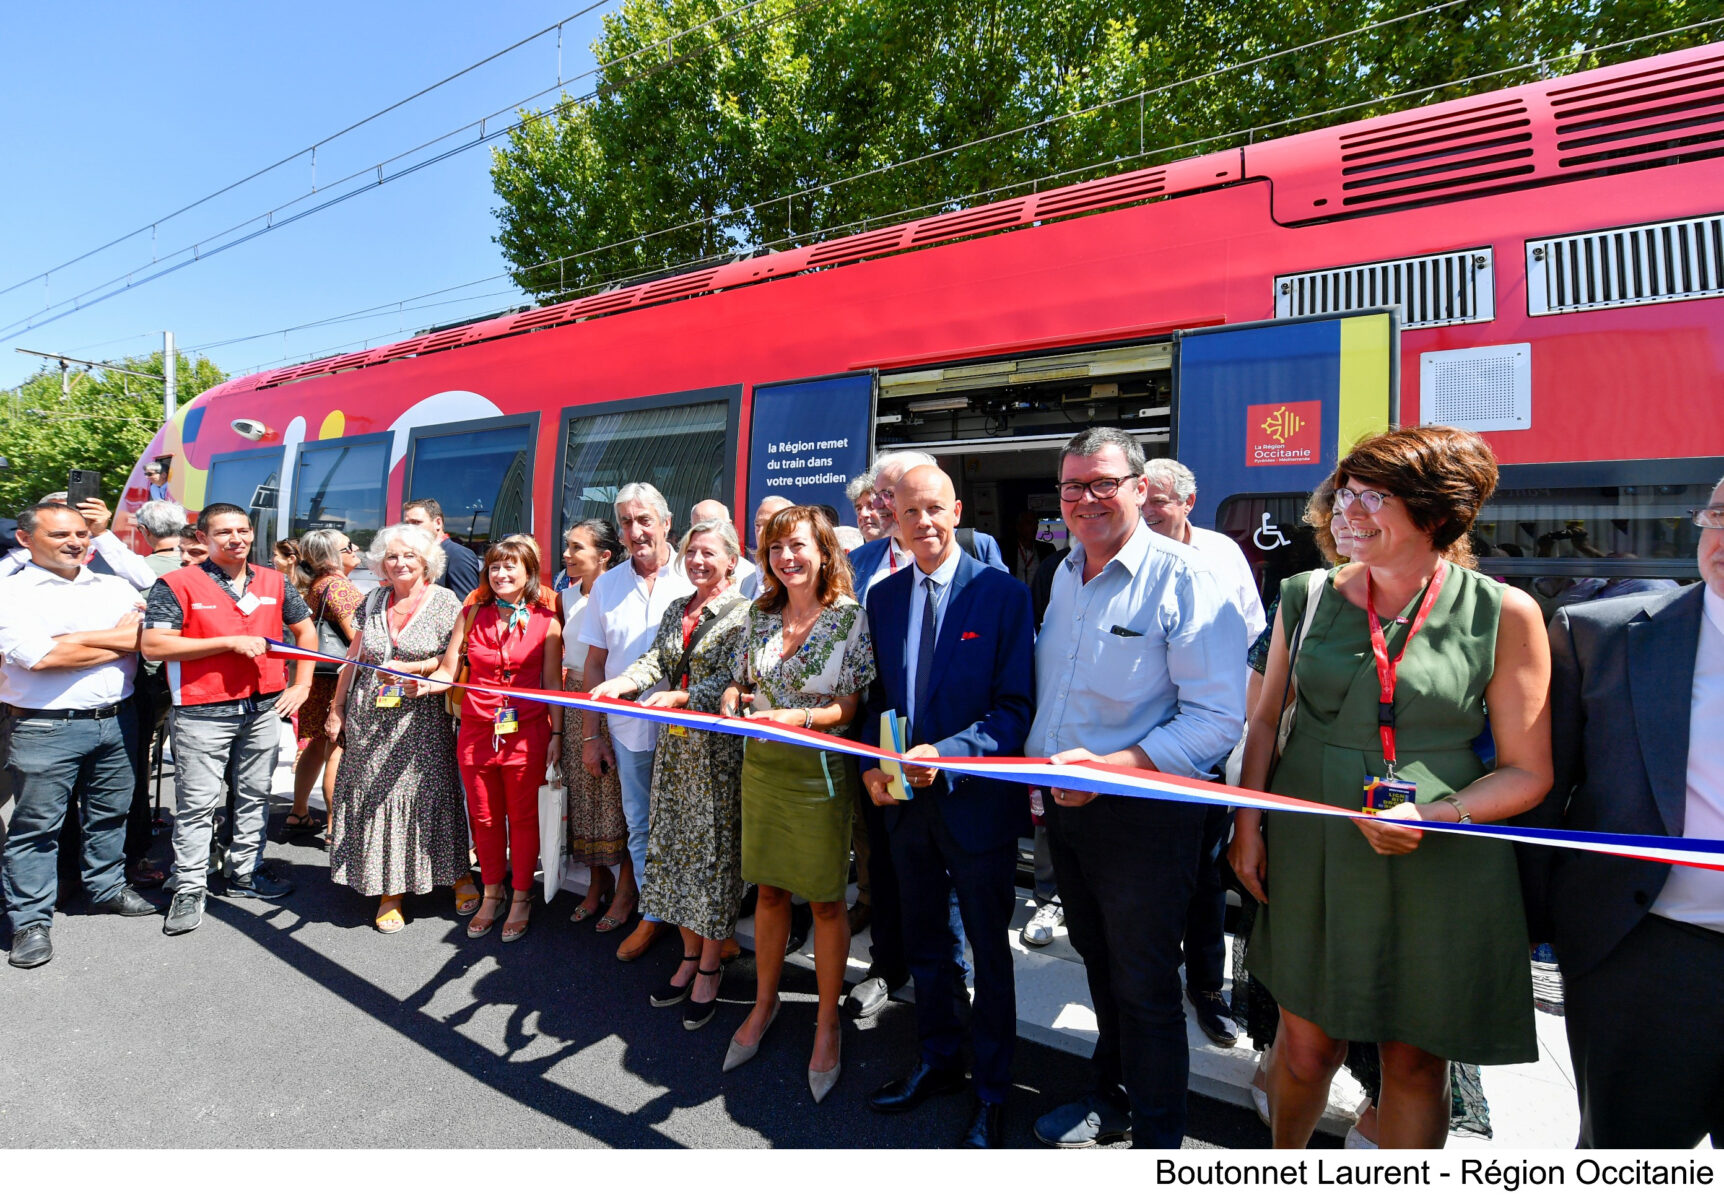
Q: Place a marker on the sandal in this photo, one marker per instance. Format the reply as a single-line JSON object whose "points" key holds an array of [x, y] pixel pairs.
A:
{"points": [[390, 919], [305, 822], [481, 924], [583, 913], [514, 930], [608, 922], [466, 896]]}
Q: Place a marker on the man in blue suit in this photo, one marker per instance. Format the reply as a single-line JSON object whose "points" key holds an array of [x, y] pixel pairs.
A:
{"points": [[954, 644]]}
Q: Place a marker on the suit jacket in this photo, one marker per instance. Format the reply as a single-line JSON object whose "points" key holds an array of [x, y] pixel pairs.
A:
{"points": [[1622, 678], [980, 694], [865, 560]]}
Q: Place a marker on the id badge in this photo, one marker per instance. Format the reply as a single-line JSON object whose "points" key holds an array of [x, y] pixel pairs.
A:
{"points": [[247, 603], [508, 721], [389, 696], [1381, 794], [678, 730]]}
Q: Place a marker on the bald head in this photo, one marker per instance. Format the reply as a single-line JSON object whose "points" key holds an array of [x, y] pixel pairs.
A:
{"points": [[769, 508], [928, 511], [708, 510]]}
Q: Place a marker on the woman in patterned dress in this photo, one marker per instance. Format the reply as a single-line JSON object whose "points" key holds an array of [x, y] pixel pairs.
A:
{"points": [[327, 557], [805, 660], [598, 831], [398, 824], [694, 847]]}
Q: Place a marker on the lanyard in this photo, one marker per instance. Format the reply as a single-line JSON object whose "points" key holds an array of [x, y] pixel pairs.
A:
{"points": [[1386, 666], [891, 559], [504, 635]]}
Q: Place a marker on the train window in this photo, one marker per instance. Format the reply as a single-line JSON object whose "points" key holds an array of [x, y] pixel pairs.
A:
{"points": [[684, 450], [340, 484], [480, 473], [252, 480], [1271, 530]]}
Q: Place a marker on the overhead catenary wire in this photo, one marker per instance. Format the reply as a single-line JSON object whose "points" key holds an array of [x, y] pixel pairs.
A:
{"points": [[1246, 132], [127, 280]]}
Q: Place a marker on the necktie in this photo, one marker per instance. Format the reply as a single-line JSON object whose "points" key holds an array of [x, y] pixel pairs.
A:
{"points": [[925, 646]]}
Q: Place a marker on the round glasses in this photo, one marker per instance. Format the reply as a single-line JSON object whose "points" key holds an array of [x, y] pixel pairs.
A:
{"points": [[1370, 500], [1105, 488]]}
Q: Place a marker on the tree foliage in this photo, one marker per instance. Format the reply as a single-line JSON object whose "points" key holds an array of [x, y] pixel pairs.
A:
{"points": [[689, 149], [104, 424]]}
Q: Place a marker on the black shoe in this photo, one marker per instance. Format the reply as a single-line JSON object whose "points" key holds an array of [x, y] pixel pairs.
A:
{"points": [[125, 903], [698, 1013], [1214, 1017], [984, 1130], [902, 1095], [1091, 1121], [669, 995], [31, 947], [801, 921], [259, 885], [186, 913], [870, 994]]}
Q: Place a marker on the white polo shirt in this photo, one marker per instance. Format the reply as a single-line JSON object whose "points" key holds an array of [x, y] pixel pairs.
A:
{"points": [[621, 619], [1233, 572], [36, 606]]}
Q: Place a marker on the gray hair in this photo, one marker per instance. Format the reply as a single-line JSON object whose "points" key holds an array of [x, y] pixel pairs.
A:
{"points": [[857, 486], [161, 518], [1092, 441], [726, 534], [1175, 474], [318, 553], [903, 460], [416, 538], [644, 493]]}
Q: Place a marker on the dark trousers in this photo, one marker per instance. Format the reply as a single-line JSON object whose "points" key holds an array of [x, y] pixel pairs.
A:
{"points": [[1646, 1035], [151, 698], [888, 954], [1127, 869], [69, 772], [930, 866], [1206, 919]]}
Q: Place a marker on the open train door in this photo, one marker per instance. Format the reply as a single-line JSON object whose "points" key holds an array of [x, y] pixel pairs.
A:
{"points": [[1263, 411]]}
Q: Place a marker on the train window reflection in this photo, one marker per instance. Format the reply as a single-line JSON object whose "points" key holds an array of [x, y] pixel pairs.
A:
{"points": [[481, 477], [679, 449], [250, 479], [340, 485]]}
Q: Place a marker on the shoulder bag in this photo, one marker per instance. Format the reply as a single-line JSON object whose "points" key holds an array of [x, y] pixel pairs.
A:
{"points": [[329, 639]]}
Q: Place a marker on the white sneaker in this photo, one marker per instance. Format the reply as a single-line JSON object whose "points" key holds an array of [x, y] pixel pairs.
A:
{"points": [[1040, 929]]}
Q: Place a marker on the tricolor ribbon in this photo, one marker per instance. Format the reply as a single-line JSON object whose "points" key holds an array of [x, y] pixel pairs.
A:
{"points": [[1081, 776]]}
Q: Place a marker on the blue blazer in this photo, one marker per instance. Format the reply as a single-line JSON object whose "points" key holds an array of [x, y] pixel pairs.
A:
{"points": [[980, 695], [865, 560]]}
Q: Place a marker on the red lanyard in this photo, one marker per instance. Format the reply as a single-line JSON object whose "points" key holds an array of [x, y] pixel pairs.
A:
{"points": [[1386, 666]]}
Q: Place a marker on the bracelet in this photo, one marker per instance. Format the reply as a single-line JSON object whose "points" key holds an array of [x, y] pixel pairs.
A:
{"points": [[556, 733], [1466, 818], [592, 737], [808, 718]]}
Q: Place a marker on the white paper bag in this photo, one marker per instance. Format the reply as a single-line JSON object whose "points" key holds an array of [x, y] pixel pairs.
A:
{"points": [[552, 799]]}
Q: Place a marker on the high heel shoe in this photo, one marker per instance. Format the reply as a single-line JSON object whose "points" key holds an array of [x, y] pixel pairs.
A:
{"points": [[480, 925], [737, 1054], [700, 1011], [513, 930], [822, 1082], [672, 994]]}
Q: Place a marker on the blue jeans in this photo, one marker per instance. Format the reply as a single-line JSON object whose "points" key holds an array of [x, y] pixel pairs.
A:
{"points": [[53, 760], [634, 777]]}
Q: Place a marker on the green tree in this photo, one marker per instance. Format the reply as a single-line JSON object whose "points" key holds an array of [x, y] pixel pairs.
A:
{"points": [[103, 424], [727, 136]]}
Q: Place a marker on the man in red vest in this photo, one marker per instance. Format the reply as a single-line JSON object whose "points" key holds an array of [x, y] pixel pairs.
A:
{"points": [[208, 622]]}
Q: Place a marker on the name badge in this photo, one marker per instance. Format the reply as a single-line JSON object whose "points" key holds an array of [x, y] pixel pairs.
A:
{"points": [[248, 604], [508, 721], [1382, 794], [677, 730], [389, 696]]}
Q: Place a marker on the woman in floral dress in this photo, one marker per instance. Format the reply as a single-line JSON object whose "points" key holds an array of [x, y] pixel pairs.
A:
{"points": [[398, 823], [694, 847], [804, 661]]}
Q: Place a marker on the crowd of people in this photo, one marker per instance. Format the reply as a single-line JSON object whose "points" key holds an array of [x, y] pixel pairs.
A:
{"points": [[1397, 683]]}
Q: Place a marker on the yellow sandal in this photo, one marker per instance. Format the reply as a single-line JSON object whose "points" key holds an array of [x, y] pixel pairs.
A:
{"points": [[390, 920], [466, 896]]}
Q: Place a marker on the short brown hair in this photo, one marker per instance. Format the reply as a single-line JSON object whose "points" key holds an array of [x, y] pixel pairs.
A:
{"points": [[1443, 475], [1319, 511], [834, 578], [523, 550]]}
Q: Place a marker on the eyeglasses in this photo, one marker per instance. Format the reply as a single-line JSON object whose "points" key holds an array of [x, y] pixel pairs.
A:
{"points": [[1370, 500], [1708, 518], [1105, 488]]}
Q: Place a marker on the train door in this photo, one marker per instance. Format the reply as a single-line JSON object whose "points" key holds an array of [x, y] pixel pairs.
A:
{"points": [[1262, 412]]}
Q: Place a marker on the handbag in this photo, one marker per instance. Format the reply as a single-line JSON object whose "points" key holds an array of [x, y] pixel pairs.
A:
{"points": [[329, 640], [1314, 588], [455, 695]]}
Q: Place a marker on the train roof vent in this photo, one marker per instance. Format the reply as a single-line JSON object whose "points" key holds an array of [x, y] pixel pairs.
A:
{"points": [[855, 248], [1432, 289], [1087, 197], [678, 286], [1668, 112], [446, 340], [967, 223], [1618, 268], [1451, 152]]}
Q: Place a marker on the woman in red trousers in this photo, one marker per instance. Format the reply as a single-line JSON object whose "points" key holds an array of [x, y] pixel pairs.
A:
{"points": [[509, 635]]}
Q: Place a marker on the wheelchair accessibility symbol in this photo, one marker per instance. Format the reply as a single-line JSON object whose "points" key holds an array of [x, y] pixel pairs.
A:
{"points": [[1268, 536]]}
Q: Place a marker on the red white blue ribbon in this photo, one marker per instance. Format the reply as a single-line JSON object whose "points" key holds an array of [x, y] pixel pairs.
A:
{"points": [[1082, 776]]}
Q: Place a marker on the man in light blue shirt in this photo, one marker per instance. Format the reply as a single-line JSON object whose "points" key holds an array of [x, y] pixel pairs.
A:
{"points": [[1137, 664]]}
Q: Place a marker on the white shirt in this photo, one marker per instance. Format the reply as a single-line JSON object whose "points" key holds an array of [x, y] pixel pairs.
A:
{"points": [[894, 560], [574, 613], [1233, 572], [1695, 895], [36, 606], [622, 618], [120, 559], [943, 575]]}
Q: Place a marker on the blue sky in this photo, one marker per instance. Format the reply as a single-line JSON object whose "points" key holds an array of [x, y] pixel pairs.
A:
{"points": [[121, 113]]}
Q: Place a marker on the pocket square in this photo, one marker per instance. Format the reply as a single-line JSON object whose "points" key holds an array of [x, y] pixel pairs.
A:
{"points": [[968, 635]]}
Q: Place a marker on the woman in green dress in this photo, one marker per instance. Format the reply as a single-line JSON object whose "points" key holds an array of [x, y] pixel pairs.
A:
{"points": [[805, 660], [1374, 931]]}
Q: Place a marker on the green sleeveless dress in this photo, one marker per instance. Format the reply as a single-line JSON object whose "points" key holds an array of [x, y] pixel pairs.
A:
{"points": [[1427, 948]]}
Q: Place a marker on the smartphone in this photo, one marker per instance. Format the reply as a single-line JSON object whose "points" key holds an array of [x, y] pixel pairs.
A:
{"points": [[83, 485]]}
